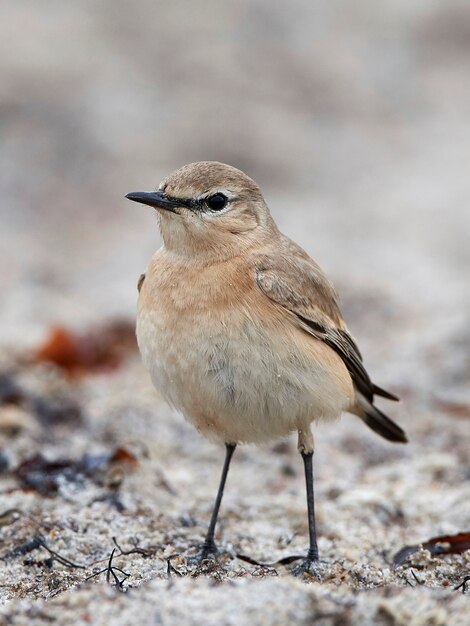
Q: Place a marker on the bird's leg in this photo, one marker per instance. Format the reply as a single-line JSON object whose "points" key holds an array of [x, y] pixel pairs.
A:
{"points": [[305, 447], [208, 547], [312, 554]]}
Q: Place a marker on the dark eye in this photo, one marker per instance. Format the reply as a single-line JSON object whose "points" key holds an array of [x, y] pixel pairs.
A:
{"points": [[216, 202]]}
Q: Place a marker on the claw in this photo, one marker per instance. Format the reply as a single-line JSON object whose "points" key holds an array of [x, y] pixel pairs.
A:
{"points": [[207, 552], [306, 566], [310, 566]]}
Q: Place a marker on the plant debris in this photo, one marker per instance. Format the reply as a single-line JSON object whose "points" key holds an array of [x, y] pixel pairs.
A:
{"points": [[36, 543], [287, 560], [46, 477], [145, 552], [463, 585], [445, 544], [111, 570], [99, 349], [416, 582], [49, 410]]}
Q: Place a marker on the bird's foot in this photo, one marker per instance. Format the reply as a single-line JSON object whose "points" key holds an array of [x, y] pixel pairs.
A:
{"points": [[207, 552], [310, 565]]}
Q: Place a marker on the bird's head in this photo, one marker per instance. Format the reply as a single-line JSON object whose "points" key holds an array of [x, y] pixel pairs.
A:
{"points": [[209, 210]]}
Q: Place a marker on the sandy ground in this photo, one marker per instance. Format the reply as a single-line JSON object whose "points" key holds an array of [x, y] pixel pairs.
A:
{"points": [[373, 499], [358, 133]]}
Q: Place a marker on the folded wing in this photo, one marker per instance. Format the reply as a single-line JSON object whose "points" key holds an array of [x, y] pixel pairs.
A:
{"points": [[294, 281]]}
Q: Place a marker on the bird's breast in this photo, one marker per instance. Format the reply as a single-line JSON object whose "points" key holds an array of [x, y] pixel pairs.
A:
{"points": [[222, 354], [193, 328]]}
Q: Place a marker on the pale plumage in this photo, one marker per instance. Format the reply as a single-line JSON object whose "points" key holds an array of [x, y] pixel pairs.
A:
{"points": [[234, 362], [240, 330]]}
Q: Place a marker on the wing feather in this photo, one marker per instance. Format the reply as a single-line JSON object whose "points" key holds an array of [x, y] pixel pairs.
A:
{"points": [[296, 282]]}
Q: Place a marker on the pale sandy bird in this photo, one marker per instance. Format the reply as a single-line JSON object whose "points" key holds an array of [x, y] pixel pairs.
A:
{"points": [[240, 329]]}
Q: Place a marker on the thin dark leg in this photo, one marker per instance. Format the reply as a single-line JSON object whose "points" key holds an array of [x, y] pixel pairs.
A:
{"points": [[209, 547], [312, 554]]}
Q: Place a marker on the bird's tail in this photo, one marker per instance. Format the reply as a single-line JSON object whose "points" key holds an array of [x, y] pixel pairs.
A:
{"points": [[378, 421]]}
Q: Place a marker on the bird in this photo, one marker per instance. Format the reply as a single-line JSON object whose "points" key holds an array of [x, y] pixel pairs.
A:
{"points": [[241, 331]]}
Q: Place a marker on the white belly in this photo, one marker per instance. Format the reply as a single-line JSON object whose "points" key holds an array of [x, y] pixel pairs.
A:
{"points": [[232, 381]]}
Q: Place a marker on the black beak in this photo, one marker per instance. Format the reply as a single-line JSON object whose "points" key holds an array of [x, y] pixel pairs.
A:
{"points": [[155, 199]]}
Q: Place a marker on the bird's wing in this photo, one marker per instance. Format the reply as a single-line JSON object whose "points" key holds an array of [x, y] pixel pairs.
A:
{"points": [[294, 281], [140, 282]]}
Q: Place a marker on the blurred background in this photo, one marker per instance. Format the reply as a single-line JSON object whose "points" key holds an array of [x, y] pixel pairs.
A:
{"points": [[353, 117]]}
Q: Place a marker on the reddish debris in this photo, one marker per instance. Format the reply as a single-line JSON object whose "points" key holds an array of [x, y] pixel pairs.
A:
{"points": [[445, 544], [96, 350]]}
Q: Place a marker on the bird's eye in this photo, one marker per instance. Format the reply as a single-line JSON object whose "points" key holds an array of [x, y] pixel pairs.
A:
{"points": [[216, 202]]}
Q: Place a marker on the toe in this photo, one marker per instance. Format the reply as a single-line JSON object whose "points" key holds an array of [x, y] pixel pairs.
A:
{"points": [[307, 566]]}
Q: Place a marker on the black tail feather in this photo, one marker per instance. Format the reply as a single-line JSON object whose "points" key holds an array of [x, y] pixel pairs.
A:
{"points": [[378, 391], [383, 425]]}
